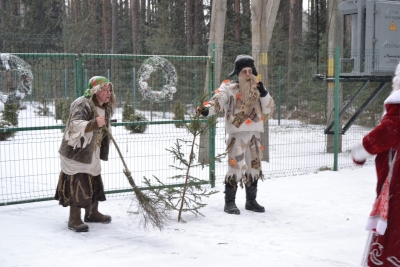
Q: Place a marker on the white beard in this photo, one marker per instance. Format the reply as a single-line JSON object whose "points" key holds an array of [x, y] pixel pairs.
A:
{"points": [[249, 91]]}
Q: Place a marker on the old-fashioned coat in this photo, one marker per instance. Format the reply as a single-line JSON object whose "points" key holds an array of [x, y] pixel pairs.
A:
{"points": [[81, 110]]}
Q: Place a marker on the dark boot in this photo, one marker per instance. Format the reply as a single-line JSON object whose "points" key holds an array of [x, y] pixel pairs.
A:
{"points": [[230, 196], [92, 214], [75, 222], [251, 194]]}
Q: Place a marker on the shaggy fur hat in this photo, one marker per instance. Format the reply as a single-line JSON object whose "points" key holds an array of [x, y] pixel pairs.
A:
{"points": [[243, 61]]}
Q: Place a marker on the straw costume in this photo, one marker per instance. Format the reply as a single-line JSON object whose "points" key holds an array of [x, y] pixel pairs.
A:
{"points": [[246, 103]]}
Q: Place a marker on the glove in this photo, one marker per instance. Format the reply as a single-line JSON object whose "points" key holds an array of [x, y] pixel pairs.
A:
{"points": [[202, 110], [261, 89]]}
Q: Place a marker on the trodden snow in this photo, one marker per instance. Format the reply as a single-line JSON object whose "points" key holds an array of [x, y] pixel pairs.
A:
{"points": [[313, 220]]}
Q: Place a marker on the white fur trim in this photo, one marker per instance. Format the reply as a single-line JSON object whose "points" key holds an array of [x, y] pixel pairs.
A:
{"points": [[359, 153], [377, 224], [75, 132], [393, 98]]}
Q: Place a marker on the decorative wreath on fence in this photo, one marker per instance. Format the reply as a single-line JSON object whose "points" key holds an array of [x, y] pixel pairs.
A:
{"points": [[149, 66], [16, 91]]}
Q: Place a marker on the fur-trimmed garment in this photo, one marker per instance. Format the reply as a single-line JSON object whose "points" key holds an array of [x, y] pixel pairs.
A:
{"points": [[238, 118], [81, 150], [384, 142], [75, 144], [243, 122]]}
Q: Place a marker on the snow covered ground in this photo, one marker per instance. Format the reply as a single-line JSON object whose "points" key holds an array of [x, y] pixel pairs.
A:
{"points": [[314, 220]]}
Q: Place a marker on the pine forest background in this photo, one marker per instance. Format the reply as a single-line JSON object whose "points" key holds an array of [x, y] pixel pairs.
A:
{"points": [[297, 50]]}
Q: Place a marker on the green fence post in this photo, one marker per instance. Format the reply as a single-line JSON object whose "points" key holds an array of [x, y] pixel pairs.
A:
{"points": [[47, 84], [336, 113], [279, 94], [134, 87], [77, 73], [83, 82], [196, 86], [162, 86], [65, 83], [212, 129], [86, 81]]}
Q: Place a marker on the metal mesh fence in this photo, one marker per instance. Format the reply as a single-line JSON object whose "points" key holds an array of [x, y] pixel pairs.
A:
{"points": [[298, 144]]}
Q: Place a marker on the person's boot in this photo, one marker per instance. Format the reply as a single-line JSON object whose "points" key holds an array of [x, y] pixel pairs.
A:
{"points": [[230, 196], [92, 214], [75, 222], [251, 194]]}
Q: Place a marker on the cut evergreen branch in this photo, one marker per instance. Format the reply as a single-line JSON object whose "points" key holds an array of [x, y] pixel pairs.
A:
{"points": [[188, 196]]}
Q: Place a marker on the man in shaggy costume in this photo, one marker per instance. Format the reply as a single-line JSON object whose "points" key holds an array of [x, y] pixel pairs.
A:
{"points": [[384, 220], [245, 103], [83, 146]]}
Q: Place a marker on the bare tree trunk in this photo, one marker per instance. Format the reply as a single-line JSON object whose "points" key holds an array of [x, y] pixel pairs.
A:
{"points": [[2, 7], [295, 31], [114, 27], [263, 20], [114, 34], [76, 10], [106, 25], [135, 25], [272, 12], [217, 27], [246, 7], [189, 25], [148, 13], [198, 24], [237, 20], [335, 39]]}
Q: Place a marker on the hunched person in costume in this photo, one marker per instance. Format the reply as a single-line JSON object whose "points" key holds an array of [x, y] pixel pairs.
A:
{"points": [[245, 102], [83, 146]]}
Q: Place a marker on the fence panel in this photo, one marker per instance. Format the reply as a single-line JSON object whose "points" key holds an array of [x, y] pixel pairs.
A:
{"points": [[29, 163]]}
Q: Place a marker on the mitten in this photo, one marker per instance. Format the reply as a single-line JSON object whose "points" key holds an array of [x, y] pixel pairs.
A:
{"points": [[261, 89], [358, 162], [203, 111], [359, 154]]}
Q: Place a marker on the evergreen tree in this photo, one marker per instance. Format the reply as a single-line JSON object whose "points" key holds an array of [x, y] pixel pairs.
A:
{"points": [[10, 119], [189, 197], [179, 113], [129, 115], [10, 113]]}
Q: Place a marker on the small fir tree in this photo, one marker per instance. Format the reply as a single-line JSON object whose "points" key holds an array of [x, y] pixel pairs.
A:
{"points": [[6, 135], [129, 115], [128, 108], [43, 110], [10, 119], [66, 106], [179, 113], [187, 198], [10, 113], [59, 108]]}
